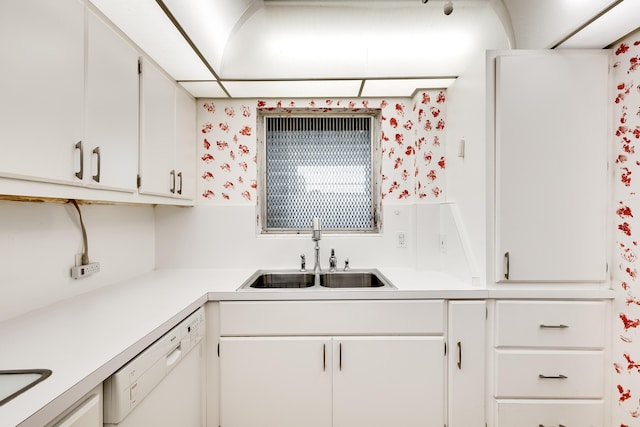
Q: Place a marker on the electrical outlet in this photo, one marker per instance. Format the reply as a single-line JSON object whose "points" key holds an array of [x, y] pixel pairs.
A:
{"points": [[80, 271], [401, 239]]}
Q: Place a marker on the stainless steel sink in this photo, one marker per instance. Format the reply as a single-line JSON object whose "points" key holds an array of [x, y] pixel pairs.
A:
{"points": [[353, 279], [16, 382], [356, 279], [274, 280]]}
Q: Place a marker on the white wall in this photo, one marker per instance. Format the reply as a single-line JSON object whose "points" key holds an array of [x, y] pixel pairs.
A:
{"points": [[466, 177], [38, 243], [225, 237]]}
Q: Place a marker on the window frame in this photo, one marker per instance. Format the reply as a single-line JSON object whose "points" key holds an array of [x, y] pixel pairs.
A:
{"points": [[375, 117]]}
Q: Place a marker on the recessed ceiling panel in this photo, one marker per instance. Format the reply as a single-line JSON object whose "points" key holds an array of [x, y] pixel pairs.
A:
{"points": [[293, 89], [401, 87], [148, 26], [209, 89]]}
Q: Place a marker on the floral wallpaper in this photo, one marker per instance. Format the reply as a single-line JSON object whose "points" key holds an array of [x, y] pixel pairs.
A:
{"points": [[412, 145], [626, 211]]}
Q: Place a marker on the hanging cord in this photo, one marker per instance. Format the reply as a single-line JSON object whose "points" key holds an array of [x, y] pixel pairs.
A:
{"points": [[85, 252]]}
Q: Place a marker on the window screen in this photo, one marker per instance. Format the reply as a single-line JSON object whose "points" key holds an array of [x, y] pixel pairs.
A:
{"points": [[318, 166]]}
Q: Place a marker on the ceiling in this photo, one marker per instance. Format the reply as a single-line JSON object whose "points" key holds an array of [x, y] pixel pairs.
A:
{"points": [[350, 48]]}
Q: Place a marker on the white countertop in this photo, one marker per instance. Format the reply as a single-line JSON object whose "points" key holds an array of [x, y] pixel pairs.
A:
{"points": [[85, 339]]}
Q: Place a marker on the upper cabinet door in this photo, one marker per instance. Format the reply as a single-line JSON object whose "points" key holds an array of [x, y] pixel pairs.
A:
{"points": [[551, 166], [158, 128], [42, 87], [185, 145], [112, 108]]}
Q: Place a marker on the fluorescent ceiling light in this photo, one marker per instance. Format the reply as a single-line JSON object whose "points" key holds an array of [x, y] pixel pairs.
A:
{"points": [[610, 27], [402, 87], [293, 88], [208, 89]]}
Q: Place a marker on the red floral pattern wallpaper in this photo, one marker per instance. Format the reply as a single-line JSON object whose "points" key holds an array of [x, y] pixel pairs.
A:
{"points": [[412, 133], [626, 214]]}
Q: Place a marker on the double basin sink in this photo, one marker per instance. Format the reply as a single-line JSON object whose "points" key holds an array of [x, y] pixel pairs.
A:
{"points": [[352, 279]]}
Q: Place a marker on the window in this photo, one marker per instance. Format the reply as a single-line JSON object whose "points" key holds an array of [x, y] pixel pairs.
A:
{"points": [[318, 166]]}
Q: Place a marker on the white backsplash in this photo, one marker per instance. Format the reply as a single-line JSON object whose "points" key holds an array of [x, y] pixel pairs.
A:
{"points": [[38, 243]]}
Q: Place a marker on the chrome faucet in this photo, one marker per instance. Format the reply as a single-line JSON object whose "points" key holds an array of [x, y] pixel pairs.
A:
{"points": [[316, 235], [333, 261], [303, 263]]}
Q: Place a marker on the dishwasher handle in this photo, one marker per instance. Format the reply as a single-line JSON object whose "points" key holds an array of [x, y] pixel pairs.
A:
{"points": [[174, 356]]}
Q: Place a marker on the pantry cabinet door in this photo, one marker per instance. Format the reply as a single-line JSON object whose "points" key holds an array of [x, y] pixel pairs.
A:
{"points": [[388, 381], [42, 87], [551, 166], [112, 108], [275, 382]]}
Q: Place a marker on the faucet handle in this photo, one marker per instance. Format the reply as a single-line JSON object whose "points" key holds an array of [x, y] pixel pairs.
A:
{"points": [[346, 265], [303, 263], [333, 261]]}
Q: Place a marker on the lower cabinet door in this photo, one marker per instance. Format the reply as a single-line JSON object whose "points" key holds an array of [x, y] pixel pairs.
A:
{"points": [[551, 413], [275, 382], [388, 381]]}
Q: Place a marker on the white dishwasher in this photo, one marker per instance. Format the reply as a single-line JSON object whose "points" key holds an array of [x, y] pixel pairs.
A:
{"points": [[163, 385]]}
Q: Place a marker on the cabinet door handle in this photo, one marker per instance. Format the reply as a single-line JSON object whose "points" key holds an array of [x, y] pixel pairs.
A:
{"points": [[172, 174], [96, 151], [180, 186], [324, 357], [559, 425], [553, 377], [80, 173], [459, 355], [506, 259], [340, 356], [543, 326]]}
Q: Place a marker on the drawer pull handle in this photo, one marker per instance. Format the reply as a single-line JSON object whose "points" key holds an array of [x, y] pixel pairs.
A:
{"points": [[459, 355], [559, 425], [553, 377], [543, 326]]}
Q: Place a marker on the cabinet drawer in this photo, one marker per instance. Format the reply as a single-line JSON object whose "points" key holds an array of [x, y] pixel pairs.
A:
{"points": [[532, 413], [562, 324], [549, 374], [246, 318]]}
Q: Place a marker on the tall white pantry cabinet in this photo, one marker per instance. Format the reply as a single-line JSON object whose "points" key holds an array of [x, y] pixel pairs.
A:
{"points": [[548, 143]]}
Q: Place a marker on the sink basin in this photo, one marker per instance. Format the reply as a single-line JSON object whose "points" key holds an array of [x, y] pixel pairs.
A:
{"points": [[266, 280], [363, 279], [16, 382], [354, 279]]}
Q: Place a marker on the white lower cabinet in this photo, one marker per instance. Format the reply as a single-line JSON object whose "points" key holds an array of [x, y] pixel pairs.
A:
{"points": [[87, 412], [366, 377], [283, 381], [332, 381], [466, 339], [549, 363]]}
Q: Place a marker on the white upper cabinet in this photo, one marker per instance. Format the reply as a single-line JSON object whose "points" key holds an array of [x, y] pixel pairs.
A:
{"points": [[167, 148], [185, 145], [551, 133], [112, 108], [42, 86]]}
